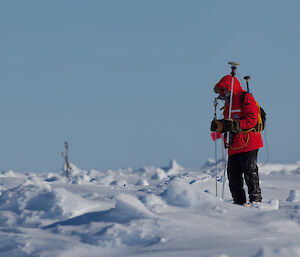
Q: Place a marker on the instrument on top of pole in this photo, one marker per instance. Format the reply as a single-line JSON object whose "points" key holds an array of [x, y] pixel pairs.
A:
{"points": [[234, 63]]}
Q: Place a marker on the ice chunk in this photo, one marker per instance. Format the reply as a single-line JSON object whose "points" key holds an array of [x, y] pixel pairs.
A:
{"points": [[294, 196]]}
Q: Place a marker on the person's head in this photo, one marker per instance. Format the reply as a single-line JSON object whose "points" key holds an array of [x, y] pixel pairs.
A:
{"points": [[223, 87], [223, 92]]}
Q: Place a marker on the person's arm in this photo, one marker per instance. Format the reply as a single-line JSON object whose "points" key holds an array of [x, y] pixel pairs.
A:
{"points": [[250, 113]]}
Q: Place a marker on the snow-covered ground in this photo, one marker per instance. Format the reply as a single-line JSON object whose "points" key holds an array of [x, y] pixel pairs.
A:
{"points": [[167, 212]]}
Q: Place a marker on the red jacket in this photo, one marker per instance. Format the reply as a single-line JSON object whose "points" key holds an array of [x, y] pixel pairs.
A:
{"points": [[246, 114]]}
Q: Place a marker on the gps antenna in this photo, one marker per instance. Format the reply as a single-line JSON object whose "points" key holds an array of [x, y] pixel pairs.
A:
{"points": [[247, 79]]}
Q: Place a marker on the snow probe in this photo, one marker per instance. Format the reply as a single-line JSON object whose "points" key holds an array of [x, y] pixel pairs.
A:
{"points": [[233, 68], [216, 156]]}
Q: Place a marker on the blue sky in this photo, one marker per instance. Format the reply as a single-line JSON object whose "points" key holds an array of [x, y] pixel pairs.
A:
{"points": [[129, 83]]}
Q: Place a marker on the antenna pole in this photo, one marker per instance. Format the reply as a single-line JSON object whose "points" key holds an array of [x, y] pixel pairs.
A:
{"points": [[233, 69]]}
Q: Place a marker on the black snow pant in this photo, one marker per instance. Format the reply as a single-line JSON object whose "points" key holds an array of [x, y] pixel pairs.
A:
{"points": [[239, 165]]}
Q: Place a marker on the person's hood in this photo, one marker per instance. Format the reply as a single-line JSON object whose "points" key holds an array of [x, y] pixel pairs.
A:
{"points": [[225, 83]]}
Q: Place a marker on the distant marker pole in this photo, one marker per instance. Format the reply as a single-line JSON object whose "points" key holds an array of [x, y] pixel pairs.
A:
{"points": [[65, 155], [233, 68]]}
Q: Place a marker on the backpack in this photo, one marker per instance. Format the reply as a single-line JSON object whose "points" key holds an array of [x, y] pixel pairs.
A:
{"points": [[260, 125]]}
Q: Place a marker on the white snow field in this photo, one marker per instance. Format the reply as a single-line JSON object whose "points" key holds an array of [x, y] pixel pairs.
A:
{"points": [[167, 212]]}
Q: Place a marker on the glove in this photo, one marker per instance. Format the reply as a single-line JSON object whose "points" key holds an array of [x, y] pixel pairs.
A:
{"points": [[217, 125], [232, 126]]}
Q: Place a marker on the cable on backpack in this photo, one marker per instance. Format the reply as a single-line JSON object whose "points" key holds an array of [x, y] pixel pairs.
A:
{"points": [[268, 152]]}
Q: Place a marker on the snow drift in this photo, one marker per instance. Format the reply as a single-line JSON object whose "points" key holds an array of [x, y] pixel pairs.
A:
{"points": [[151, 211]]}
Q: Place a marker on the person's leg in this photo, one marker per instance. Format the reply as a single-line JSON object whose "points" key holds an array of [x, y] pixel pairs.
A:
{"points": [[248, 162], [236, 184]]}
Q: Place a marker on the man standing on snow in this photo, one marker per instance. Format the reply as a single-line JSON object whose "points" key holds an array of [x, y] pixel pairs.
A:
{"points": [[244, 140]]}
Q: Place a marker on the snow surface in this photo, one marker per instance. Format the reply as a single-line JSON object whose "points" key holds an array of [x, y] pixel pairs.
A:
{"points": [[168, 211]]}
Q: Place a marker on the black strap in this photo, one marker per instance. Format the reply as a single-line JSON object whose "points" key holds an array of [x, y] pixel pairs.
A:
{"points": [[243, 96]]}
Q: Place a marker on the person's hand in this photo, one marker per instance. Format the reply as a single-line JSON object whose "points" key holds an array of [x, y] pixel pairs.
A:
{"points": [[228, 125], [232, 126], [217, 125]]}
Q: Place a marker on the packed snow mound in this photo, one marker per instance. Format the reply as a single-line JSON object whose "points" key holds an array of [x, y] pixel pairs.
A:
{"points": [[8, 173], [152, 173], [142, 182], [183, 194], [17, 198], [127, 208], [174, 168], [131, 206], [154, 203], [35, 197], [294, 196]]}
